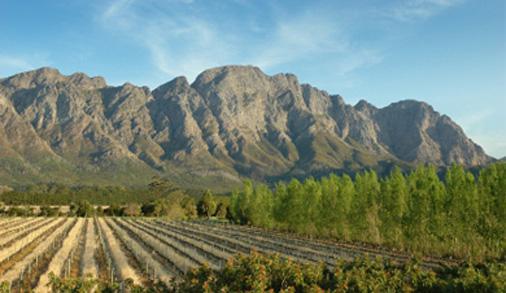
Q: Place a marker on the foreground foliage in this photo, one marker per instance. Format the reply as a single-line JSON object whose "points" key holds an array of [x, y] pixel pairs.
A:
{"points": [[261, 273], [257, 273], [459, 216]]}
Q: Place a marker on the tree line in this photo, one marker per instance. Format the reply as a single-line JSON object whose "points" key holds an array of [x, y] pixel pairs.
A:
{"points": [[161, 198], [58, 194], [461, 215]]}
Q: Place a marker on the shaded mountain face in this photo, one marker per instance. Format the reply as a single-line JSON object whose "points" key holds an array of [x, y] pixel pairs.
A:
{"points": [[231, 122]]}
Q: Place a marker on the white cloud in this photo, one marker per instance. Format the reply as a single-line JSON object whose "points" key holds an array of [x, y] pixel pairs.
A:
{"points": [[12, 64], [292, 38], [295, 38], [116, 8], [473, 120], [476, 125], [412, 10], [180, 41], [163, 33], [315, 33], [494, 143]]}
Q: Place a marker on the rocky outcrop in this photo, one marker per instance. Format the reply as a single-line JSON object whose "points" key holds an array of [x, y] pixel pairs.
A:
{"points": [[231, 122]]}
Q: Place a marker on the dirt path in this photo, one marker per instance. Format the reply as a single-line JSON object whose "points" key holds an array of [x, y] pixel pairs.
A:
{"points": [[89, 264], [59, 261], [120, 261]]}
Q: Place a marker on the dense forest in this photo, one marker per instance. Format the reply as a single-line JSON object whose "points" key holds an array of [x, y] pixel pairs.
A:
{"points": [[460, 216]]}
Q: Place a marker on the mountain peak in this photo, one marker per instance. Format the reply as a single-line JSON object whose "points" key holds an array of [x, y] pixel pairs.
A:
{"points": [[233, 68], [27, 79], [81, 79], [46, 71], [217, 74], [233, 121], [411, 103], [49, 75], [179, 83], [365, 107]]}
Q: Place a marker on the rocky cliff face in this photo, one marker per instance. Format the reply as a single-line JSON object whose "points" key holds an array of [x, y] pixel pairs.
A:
{"points": [[231, 122]]}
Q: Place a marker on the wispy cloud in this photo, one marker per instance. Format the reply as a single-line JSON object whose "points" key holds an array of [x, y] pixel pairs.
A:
{"points": [[182, 40], [474, 119], [476, 124], [177, 43], [116, 9], [298, 37], [412, 10], [494, 143], [14, 62], [10, 64]]}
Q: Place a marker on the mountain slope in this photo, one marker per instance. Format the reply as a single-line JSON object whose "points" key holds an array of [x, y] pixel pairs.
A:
{"points": [[231, 122]]}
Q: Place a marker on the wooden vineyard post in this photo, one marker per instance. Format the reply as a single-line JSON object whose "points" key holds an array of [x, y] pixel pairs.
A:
{"points": [[69, 262]]}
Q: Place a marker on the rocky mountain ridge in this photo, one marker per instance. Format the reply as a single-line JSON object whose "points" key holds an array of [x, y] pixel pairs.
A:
{"points": [[231, 122]]}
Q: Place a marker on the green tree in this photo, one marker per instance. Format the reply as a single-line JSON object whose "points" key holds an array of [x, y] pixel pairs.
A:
{"points": [[190, 207], [163, 207], [132, 210], [335, 205], [114, 210], [425, 209], [82, 209], [222, 210], [260, 209], [169, 208], [366, 221], [293, 213], [48, 211], [311, 202], [331, 214], [280, 197], [207, 204], [462, 209], [240, 203], [394, 191], [492, 220], [162, 186]]}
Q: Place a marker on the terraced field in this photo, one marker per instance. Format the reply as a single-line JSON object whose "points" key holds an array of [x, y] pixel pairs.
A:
{"points": [[145, 250]]}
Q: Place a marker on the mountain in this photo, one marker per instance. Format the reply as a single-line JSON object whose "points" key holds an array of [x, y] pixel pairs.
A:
{"points": [[231, 122]]}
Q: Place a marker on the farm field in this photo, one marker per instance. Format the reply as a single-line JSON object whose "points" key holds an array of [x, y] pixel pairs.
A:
{"points": [[146, 249]]}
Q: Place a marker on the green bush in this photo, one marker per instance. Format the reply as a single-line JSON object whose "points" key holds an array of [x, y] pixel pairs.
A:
{"points": [[260, 273], [272, 273]]}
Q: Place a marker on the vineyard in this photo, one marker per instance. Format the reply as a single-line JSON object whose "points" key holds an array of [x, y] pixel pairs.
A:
{"points": [[146, 251]]}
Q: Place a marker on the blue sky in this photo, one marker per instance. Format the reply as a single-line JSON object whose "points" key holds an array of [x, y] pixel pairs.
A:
{"points": [[449, 53]]}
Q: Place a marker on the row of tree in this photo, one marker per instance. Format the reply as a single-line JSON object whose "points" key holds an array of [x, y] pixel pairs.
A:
{"points": [[58, 194], [175, 206], [462, 215], [171, 204]]}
